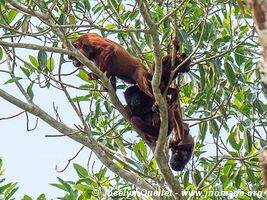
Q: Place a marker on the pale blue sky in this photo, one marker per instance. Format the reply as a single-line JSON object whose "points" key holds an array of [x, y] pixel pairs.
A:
{"points": [[30, 157]]}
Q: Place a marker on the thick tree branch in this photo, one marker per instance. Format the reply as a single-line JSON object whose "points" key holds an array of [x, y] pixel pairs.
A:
{"points": [[161, 100], [259, 14], [89, 141]]}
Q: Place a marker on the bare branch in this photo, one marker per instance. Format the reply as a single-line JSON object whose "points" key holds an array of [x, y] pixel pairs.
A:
{"points": [[69, 161], [89, 142], [13, 116]]}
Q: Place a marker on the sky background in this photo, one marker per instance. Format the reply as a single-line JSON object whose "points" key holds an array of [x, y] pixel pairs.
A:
{"points": [[30, 158]]}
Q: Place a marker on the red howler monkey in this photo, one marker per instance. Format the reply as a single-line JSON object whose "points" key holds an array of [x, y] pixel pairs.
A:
{"points": [[182, 150], [113, 59], [167, 69], [167, 65], [139, 107], [181, 143]]}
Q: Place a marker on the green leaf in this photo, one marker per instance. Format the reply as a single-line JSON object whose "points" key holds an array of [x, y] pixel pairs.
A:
{"points": [[239, 99], [4, 187], [263, 143], [244, 29], [80, 98], [108, 107], [11, 15], [29, 66], [234, 138], [30, 91], [10, 191], [247, 141], [87, 180], [67, 187], [83, 75], [25, 25], [202, 73], [82, 187], [260, 106], [230, 74], [238, 178], [120, 145], [234, 154], [25, 71], [50, 64], [72, 19], [187, 90], [148, 40], [197, 176], [203, 127], [97, 8], [140, 150], [114, 3], [245, 109], [100, 175], [105, 182], [87, 5], [110, 26], [186, 178], [214, 129], [12, 80], [26, 197], [134, 14], [82, 172], [1, 53], [251, 175], [58, 186], [41, 197], [34, 61], [61, 19], [239, 56], [42, 59]]}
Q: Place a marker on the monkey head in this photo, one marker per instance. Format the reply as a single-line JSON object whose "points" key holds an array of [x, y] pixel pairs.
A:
{"points": [[83, 45], [181, 152]]}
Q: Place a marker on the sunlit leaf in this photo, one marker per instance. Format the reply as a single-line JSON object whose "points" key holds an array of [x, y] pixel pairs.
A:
{"points": [[26, 197], [50, 64], [1, 53], [12, 80], [140, 150], [34, 61], [82, 172]]}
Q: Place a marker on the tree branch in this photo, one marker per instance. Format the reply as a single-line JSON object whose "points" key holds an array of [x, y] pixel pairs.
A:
{"points": [[89, 141], [259, 14], [161, 100]]}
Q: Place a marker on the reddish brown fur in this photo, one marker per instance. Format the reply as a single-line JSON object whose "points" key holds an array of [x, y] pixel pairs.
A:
{"points": [[112, 58], [167, 66], [139, 107], [167, 69], [182, 151]]}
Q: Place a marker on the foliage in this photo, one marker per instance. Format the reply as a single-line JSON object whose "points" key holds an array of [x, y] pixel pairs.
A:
{"points": [[221, 96], [7, 190]]}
